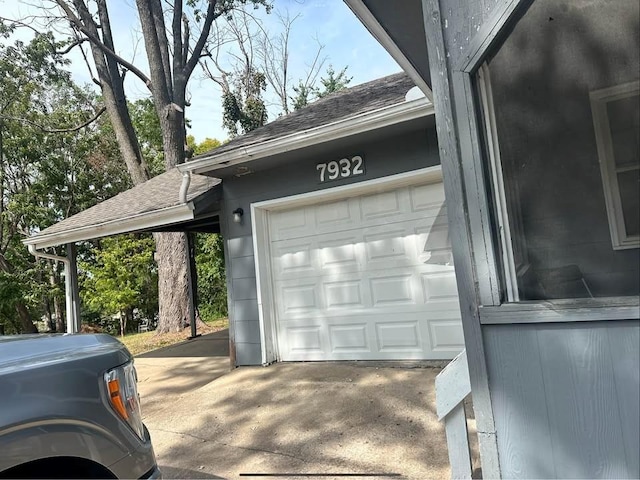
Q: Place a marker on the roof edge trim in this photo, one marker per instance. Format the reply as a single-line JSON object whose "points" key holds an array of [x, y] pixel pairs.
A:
{"points": [[360, 10], [141, 221], [361, 123]]}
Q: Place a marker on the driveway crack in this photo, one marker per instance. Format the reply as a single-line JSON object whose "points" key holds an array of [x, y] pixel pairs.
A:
{"points": [[181, 433], [265, 451]]}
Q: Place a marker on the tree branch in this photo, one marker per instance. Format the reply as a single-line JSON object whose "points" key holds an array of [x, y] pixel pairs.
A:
{"points": [[57, 130], [77, 23], [202, 40]]}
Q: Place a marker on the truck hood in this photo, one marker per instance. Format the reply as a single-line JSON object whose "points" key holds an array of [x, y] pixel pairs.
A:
{"points": [[28, 351]]}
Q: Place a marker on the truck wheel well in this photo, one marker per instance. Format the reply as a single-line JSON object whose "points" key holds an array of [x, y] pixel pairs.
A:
{"points": [[58, 467]]}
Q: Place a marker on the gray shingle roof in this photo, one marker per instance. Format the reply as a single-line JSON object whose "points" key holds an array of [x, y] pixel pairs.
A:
{"points": [[162, 191], [156, 194], [367, 97]]}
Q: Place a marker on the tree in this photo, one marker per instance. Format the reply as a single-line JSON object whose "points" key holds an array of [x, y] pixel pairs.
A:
{"points": [[333, 82], [51, 166], [256, 63], [172, 57], [122, 273]]}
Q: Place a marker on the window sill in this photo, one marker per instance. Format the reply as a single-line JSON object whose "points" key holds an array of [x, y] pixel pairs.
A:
{"points": [[563, 310]]}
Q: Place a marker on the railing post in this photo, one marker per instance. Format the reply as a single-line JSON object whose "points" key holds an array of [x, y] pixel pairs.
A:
{"points": [[452, 387], [455, 424]]}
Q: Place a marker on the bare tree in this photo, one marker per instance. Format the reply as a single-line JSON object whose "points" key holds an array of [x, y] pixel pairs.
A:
{"points": [[242, 50], [174, 39]]}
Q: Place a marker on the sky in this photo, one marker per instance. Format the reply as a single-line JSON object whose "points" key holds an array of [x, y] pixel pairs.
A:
{"points": [[346, 43]]}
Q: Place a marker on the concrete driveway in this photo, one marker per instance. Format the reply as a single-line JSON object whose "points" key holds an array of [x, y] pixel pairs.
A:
{"points": [[328, 418]]}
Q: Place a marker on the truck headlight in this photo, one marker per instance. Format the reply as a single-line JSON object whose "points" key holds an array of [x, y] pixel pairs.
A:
{"points": [[123, 396]]}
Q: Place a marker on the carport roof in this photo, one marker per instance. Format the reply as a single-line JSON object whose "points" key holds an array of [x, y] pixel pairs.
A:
{"points": [[152, 204]]}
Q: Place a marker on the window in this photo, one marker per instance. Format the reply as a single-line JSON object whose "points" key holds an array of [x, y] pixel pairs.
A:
{"points": [[561, 189], [616, 119]]}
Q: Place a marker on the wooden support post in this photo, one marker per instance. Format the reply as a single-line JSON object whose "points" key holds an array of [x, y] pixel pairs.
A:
{"points": [[455, 424], [191, 272], [73, 290]]}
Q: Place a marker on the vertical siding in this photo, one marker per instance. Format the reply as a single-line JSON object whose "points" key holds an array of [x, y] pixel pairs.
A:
{"points": [[566, 399], [405, 152]]}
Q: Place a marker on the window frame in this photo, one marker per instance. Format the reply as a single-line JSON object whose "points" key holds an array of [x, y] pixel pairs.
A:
{"points": [[620, 239]]}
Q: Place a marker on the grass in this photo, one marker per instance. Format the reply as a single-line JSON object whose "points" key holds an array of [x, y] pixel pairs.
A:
{"points": [[138, 343]]}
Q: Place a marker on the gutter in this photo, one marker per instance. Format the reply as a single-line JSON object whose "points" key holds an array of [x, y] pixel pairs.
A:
{"points": [[141, 221], [68, 288], [362, 123], [371, 23]]}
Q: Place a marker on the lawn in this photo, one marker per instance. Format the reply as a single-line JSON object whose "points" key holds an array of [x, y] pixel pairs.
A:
{"points": [[138, 343]]}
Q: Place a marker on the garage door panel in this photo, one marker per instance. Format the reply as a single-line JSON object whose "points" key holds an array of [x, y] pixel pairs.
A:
{"points": [[421, 288], [426, 197], [366, 278], [349, 338], [399, 337]]}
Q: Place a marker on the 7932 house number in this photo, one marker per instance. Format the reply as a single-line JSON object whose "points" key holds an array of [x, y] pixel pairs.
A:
{"points": [[343, 168]]}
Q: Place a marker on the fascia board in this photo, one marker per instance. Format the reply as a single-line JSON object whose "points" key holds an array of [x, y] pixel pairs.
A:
{"points": [[142, 221], [343, 128]]}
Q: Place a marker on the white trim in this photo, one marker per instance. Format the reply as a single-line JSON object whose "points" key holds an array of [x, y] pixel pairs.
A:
{"points": [[141, 221], [261, 245], [371, 23], [620, 240], [362, 123], [504, 227]]}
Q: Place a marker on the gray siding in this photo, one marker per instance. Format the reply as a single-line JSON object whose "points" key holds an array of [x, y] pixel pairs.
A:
{"points": [[401, 153], [566, 399]]}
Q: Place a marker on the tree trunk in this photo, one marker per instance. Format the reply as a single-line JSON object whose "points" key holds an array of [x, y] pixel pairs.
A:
{"points": [[60, 323], [173, 289], [123, 323], [26, 323]]}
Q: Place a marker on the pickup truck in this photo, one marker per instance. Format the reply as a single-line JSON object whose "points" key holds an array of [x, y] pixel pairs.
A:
{"points": [[69, 408]]}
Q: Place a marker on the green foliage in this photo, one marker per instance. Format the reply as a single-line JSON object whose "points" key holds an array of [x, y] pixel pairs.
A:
{"points": [[243, 106], [147, 126], [333, 82], [212, 287], [46, 174], [121, 276], [205, 146]]}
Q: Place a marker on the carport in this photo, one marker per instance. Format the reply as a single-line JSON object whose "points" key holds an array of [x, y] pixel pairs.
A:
{"points": [[170, 202]]}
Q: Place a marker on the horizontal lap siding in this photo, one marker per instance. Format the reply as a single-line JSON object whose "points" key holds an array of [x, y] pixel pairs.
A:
{"points": [[566, 399], [402, 153]]}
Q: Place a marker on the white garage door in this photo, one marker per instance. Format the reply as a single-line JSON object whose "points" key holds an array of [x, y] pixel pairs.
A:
{"points": [[366, 278]]}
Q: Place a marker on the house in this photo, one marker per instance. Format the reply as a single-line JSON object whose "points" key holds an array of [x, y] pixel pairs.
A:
{"points": [[536, 113], [336, 237]]}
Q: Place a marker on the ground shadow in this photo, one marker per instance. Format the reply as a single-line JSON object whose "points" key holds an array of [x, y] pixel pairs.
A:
{"points": [[211, 345]]}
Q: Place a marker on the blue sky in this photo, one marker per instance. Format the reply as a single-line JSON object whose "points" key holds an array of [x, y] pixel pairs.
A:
{"points": [[347, 43]]}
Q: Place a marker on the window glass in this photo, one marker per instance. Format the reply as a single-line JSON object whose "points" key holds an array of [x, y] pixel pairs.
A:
{"points": [[560, 101]]}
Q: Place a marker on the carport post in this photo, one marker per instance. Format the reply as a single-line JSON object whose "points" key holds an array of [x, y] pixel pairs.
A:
{"points": [[72, 284], [190, 273]]}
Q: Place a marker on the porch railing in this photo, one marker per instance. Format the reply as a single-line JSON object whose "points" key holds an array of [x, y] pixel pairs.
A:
{"points": [[452, 387]]}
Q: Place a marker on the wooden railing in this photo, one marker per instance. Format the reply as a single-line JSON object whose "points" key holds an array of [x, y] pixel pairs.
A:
{"points": [[452, 387]]}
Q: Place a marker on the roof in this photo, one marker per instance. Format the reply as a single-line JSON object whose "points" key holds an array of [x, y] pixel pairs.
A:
{"points": [[363, 98], [155, 203], [159, 194]]}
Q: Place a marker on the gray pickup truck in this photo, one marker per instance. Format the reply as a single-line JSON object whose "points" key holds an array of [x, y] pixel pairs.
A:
{"points": [[69, 408]]}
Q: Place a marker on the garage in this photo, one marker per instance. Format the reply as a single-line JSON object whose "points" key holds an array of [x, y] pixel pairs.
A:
{"points": [[364, 277]]}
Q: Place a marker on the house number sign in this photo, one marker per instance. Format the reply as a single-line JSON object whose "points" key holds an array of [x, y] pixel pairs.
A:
{"points": [[343, 168]]}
